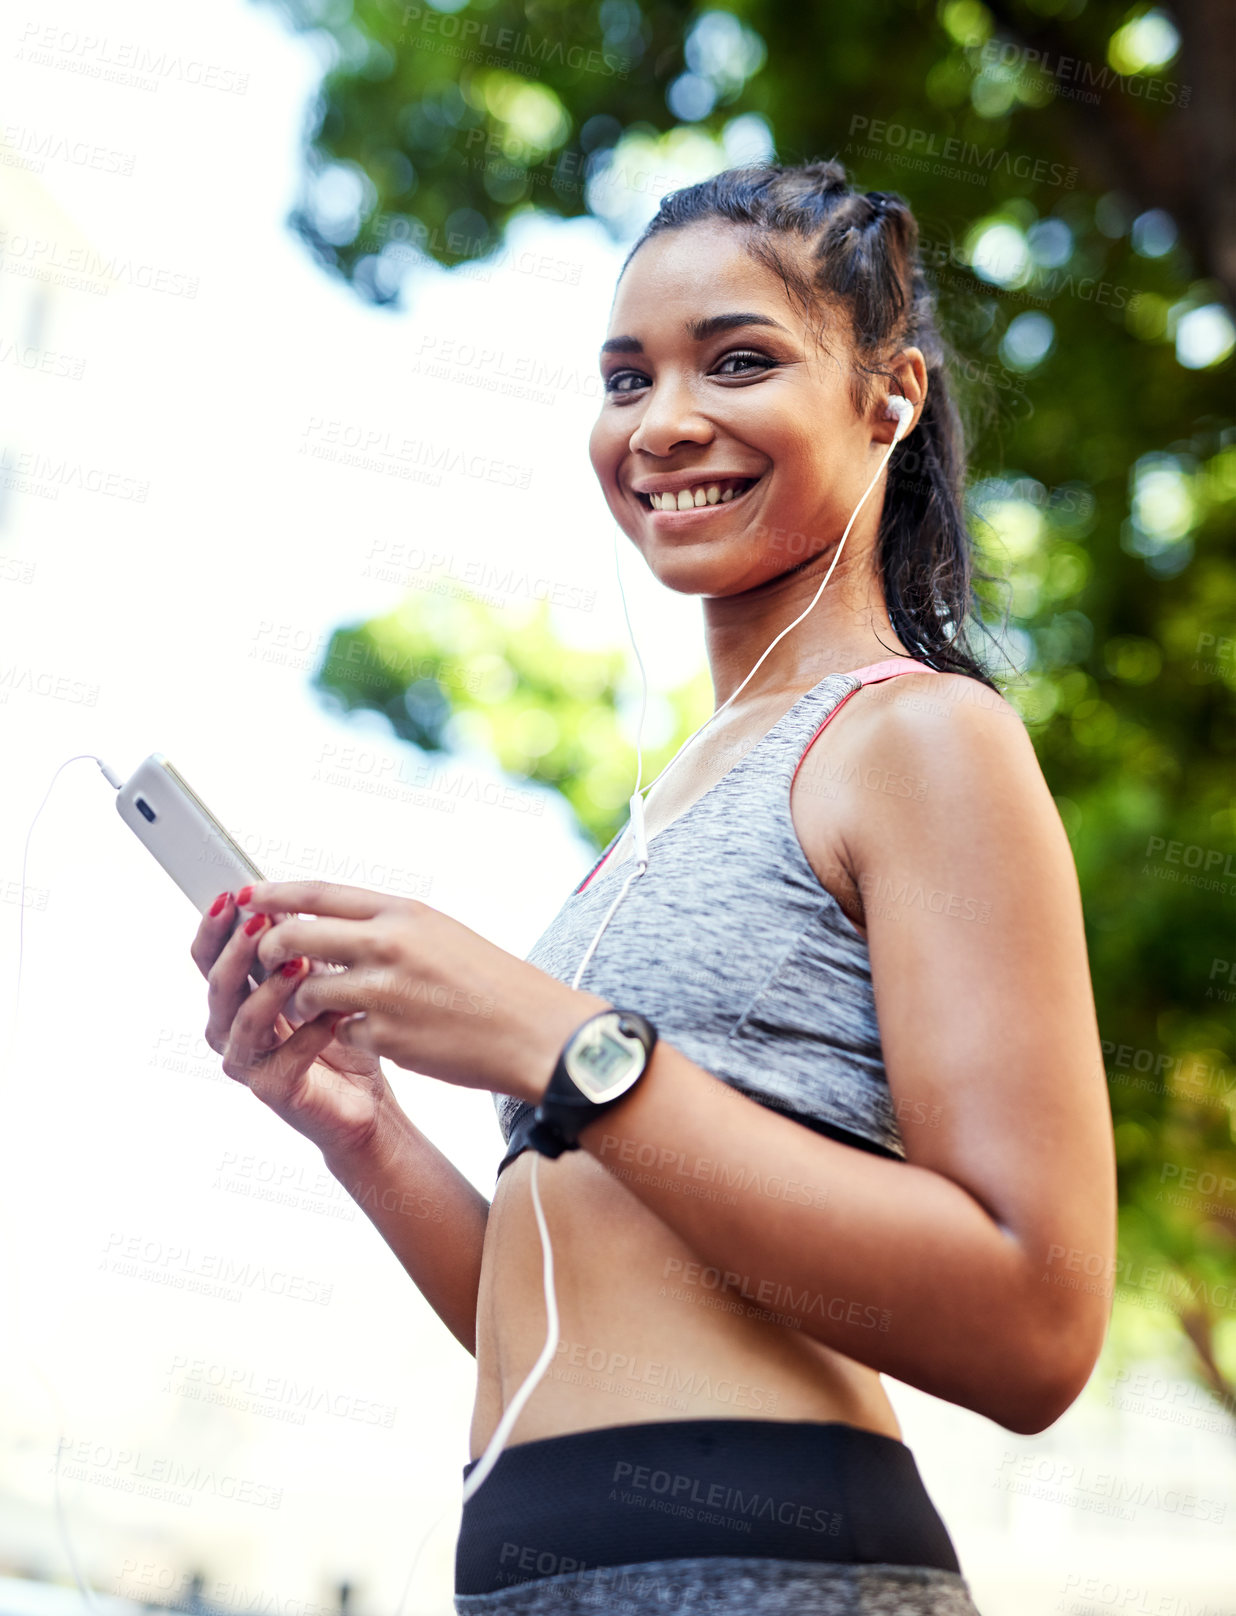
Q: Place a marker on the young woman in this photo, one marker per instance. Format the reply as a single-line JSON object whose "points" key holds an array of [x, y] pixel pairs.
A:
{"points": [[792, 1194]]}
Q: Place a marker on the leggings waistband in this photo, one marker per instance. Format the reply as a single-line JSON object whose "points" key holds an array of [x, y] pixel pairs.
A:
{"points": [[676, 1489]]}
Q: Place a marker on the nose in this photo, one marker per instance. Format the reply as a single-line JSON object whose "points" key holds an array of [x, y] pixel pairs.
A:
{"points": [[670, 416]]}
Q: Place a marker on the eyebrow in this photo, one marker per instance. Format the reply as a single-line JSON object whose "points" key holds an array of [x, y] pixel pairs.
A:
{"points": [[698, 330]]}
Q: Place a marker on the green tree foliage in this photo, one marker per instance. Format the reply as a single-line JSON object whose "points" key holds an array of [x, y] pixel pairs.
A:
{"points": [[451, 673], [1070, 165]]}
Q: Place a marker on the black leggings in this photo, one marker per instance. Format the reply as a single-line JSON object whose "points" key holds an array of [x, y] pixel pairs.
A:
{"points": [[698, 1489]]}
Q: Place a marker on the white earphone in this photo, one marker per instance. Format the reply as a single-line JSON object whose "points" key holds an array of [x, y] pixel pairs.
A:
{"points": [[900, 410]]}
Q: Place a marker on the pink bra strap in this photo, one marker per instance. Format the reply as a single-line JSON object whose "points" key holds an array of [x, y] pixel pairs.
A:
{"points": [[872, 674]]}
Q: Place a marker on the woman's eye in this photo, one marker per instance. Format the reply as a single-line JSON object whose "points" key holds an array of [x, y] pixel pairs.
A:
{"points": [[747, 359], [627, 381], [612, 380]]}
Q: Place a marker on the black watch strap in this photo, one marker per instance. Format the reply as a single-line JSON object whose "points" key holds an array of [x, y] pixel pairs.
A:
{"points": [[565, 1111]]}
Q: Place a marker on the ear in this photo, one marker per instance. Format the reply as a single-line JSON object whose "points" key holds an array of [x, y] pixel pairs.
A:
{"points": [[906, 377]]}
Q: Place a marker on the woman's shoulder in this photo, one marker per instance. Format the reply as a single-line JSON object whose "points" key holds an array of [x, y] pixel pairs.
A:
{"points": [[964, 744], [929, 711]]}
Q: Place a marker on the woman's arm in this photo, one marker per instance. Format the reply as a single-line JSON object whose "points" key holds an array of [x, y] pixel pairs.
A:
{"points": [[338, 1098], [428, 1213], [950, 1271]]}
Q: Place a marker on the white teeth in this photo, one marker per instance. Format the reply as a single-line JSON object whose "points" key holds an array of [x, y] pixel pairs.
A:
{"points": [[689, 499]]}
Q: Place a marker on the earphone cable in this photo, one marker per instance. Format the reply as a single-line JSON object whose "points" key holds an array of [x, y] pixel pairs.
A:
{"points": [[17, 1313]]}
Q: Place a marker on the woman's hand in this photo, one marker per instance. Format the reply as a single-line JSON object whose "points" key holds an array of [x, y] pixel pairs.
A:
{"points": [[329, 1091], [434, 996]]}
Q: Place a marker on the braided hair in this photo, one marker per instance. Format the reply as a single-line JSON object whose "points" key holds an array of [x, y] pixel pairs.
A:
{"points": [[864, 260]]}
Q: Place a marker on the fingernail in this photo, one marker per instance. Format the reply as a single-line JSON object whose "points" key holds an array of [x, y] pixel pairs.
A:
{"points": [[346, 1015], [254, 924], [243, 896], [216, 907], [293, 967]]}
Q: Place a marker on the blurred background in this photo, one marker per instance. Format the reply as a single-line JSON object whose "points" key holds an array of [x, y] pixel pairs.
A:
{"points": [[299, 311]]}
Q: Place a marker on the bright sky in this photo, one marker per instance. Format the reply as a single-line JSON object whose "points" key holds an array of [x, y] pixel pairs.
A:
{"points": [[170, 558], [187, 621]]}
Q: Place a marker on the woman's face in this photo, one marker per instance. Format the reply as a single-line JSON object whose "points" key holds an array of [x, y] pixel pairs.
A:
{"points": [[694, 397]]}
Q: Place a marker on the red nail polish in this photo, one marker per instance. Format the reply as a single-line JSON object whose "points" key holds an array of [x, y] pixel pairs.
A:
{"points": [[292, 967], [216, 907], [254, 924], [243, 896]]}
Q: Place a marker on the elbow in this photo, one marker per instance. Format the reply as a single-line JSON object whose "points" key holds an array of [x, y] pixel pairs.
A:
{"points": [[1036, 1408], [1053, 1374]]}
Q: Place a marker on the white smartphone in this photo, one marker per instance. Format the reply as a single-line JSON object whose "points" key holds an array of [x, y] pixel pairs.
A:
{"points": [[173, 822]]}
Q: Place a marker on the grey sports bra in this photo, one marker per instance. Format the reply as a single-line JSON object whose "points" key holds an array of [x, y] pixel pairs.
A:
{"points": [[731, 947]]}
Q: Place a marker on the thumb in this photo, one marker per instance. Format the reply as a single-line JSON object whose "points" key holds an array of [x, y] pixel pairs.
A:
{"points": [[275, 1077]]}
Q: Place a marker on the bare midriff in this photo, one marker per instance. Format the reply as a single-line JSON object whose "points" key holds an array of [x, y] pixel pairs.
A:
{"points": [[647, 1331]]}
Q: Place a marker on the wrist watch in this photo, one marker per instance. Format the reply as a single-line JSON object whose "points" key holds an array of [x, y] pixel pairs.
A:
{"points": [[600, 1063]]}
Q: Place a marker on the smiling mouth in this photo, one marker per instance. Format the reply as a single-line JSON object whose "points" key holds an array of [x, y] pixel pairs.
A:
{"points": [[724, 491]]}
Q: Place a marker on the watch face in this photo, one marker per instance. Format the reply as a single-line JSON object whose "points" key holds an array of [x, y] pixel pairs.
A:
{"points": [[603, 1061]]}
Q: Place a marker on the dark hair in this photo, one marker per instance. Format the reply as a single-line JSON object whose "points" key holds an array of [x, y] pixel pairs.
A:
{"points": [[864, 259]]}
